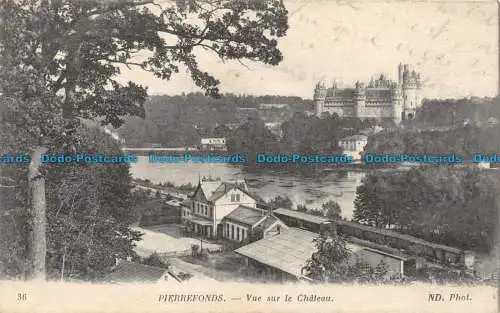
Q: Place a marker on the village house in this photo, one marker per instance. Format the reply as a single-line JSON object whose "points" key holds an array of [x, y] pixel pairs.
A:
{"points": [[239, 224], [131, 272], [354, 145], [275, 129], [213, 200], [186, 206], [213, 144]]}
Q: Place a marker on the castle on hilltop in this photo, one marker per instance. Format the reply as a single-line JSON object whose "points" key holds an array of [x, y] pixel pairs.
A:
{"points": [[382, 98]]}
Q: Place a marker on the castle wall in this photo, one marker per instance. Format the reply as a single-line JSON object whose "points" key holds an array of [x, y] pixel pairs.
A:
{"points": [[411, 100], [341, 109], [381, 99], [379, 110]]}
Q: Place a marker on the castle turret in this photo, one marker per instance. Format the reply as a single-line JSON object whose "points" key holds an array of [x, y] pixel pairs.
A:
{"points": [[397, 106], [400, 74], [359, 97], [411, 92], [319, 99]]}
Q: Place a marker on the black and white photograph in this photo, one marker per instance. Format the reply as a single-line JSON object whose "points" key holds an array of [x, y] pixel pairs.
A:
{"points": [[248, 148]]}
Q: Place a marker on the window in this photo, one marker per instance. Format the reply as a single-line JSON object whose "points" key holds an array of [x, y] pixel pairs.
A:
{"points": [[238, 233], [227, 230], [238, 197], [206, 210], [233, 198], [232, 231], [242, 234]]}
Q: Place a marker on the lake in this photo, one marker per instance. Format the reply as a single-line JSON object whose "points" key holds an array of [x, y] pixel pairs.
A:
{"points": [[337, 186]]}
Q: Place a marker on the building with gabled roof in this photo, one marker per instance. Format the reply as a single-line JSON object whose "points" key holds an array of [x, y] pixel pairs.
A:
{"points": [[213, 200], [354, 145], [238, 224], [131, 272]]}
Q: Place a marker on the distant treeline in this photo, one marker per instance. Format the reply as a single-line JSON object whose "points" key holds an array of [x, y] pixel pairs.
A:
{"points": [[302, 134], [446, 205], [464, 141], [463, 127], [450, 112], [182, 120]]}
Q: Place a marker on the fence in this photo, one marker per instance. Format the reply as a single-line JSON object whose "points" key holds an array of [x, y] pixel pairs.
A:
{"points": [[171, 254]]}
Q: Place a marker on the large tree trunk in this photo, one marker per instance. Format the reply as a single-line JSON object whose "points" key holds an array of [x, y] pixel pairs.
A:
{"points": [[37, 242]]}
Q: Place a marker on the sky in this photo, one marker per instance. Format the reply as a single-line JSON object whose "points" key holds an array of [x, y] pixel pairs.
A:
{"points": [[453, 44]]}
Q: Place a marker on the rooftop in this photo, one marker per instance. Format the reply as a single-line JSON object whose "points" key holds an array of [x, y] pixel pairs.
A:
{"points": [[246, 215], [128, 272], [268, 221], [302, 216], [288, 251], [214, 190], [356, 137], [398, 235]]}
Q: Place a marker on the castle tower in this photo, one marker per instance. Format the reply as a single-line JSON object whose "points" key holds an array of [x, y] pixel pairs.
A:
{"points": [[400, 75], [359, 97], [397, 106], [411, 86], [319, 99]]}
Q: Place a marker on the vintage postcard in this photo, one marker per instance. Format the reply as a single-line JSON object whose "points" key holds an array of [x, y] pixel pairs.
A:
{"points": [[249, 156]]}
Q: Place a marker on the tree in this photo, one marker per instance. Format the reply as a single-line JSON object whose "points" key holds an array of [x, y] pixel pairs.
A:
{"points": [[361, 271], [381, 270], [332, 209], [155, 260], [89, 208], [368, 203], [329, 262], [302, 208], [61, 59], [281, 202], [316, 212]]}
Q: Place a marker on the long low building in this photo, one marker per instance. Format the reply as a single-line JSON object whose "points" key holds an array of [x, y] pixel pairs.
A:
{"points": [[283, 257], [410, 245]]}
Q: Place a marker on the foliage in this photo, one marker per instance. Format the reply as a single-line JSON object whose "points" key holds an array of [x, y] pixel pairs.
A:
{"points": [[381, 270], [155, 212], [182, 120], [281, 202], [88, 211], [331, 209], [184, 276], [196, 250], [329, 262], [155, 260], [447, 205], [332, 262], [302, 208], [59, 67], [316, 212], [89, 208], [464, 141], [251, 137], [80, 46], [453, 112]]}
